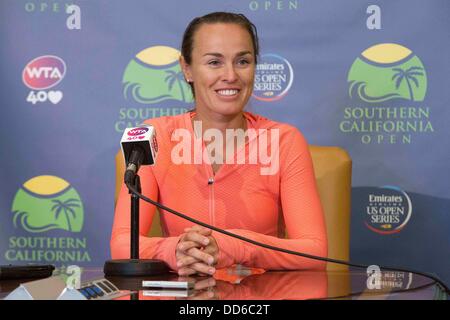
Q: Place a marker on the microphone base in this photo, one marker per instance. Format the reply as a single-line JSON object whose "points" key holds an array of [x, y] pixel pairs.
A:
{"points": [[135, 267]]}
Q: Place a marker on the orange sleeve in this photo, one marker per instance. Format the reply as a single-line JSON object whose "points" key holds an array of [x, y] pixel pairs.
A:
{"points": [[302, 212], [149, 247]]}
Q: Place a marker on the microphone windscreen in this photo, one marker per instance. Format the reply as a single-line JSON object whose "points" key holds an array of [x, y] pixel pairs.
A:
{"points": [[143, 136]]}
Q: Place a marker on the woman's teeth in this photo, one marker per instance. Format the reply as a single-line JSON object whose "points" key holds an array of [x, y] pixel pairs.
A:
{"points": [[227, 92]]}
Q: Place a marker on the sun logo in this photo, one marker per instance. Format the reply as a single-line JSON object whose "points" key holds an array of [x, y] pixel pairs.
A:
{"points": [[45, 203], [387, 71], [155, 75]]}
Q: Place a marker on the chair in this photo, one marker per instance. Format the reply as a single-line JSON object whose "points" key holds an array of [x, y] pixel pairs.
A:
{"points": [[332, 168]]}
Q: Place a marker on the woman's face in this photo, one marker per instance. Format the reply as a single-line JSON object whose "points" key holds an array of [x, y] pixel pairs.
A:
{"points": [[222, 68]]}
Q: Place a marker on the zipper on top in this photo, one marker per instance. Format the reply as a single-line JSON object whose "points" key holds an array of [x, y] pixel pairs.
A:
{"points": [[211, 201]]}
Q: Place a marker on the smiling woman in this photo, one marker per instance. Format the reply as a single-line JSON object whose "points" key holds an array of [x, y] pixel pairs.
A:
{"points": [[220, 69], [218, 59]]}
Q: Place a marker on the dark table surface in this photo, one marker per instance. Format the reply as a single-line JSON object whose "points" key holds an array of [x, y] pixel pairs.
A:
{"points": [[241, 283]]}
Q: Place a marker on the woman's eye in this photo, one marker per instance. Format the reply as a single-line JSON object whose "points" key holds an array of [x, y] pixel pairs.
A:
{"points": [[214, 62], [243, 62]]}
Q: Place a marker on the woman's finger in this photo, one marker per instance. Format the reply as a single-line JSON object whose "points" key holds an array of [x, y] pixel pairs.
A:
{"points": [[201, 255], [186, 271], [184, 246], [213, 252], [199, 284], [202, 295], [186, 261], [205, 283], [202, 230], [196, 237], [202, 268]]}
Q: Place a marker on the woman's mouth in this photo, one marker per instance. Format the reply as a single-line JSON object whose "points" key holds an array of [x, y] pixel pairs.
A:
{"points": [[227, 92]]}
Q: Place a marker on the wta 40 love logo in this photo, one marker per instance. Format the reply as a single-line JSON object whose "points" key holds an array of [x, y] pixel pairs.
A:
{"points": [[41, 74]]}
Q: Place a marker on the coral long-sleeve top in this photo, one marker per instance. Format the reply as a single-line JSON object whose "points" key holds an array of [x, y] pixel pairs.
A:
{"points": [[238, 198]]}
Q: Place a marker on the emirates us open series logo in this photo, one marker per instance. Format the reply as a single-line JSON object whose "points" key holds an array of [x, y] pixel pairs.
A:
{"points": [[273, 79], [388, 210]]}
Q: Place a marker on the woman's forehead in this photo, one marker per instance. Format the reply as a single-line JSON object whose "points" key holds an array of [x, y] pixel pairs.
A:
{"points": [[220, 37]]}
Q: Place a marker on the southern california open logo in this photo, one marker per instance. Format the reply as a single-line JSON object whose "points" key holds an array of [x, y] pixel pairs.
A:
{"points": [[387, 71], [154, 75], [45, 203], [387, 85], [388, 210], [273, 78]]}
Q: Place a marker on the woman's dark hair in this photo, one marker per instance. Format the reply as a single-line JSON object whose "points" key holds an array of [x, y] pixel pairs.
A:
{"points": [[216, 17]]}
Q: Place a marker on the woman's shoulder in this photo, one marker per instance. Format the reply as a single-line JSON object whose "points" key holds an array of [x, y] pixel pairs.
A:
{"points": [[286, 130], [175, 120], [165, 126]]}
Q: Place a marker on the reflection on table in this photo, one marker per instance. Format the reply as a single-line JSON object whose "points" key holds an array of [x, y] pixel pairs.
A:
{"points": [[240, 283]]}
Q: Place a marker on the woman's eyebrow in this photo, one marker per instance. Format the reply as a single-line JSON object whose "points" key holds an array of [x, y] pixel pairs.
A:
{"points": [[219, 55], [243, 53], [215, 54]]}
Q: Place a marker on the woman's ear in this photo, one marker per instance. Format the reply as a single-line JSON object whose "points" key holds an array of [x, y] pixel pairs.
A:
{"points": [[186, 69]]}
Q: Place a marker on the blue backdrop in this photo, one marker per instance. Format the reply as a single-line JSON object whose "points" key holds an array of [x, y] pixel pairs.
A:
{"points": [[369, 76]]}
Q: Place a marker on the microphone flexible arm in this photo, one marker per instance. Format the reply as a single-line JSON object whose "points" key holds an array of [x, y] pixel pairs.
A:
{"points": [[134, 162]]}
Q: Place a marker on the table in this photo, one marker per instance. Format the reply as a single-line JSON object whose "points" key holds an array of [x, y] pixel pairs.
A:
{"points": [[239, 283]]}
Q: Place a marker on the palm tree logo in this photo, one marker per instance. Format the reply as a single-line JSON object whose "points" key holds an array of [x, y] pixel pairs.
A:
{"points": [[66, 207], [410, 75], [178, 77]]}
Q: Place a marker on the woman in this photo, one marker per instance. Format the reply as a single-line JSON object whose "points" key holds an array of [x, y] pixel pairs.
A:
{"points": [[219, 56]]}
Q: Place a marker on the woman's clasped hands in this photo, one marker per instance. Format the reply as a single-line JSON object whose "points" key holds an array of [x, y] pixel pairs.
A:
{"points": [[197, 252]]}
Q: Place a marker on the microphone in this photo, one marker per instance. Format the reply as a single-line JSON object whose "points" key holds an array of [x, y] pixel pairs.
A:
{"points": [[139, 147]]}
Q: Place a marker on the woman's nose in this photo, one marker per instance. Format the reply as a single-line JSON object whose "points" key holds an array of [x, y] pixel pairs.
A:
{"points": [[229, 73]]}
